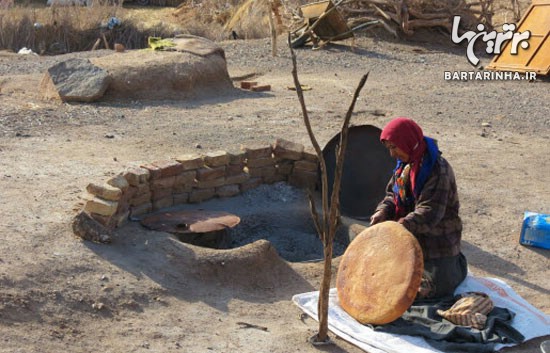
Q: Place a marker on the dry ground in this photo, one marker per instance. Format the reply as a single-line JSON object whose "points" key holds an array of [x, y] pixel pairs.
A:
{"points": [[147, 293]]}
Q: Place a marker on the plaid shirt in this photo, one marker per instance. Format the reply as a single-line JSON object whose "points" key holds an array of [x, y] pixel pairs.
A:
{"points": [[434, 220]]}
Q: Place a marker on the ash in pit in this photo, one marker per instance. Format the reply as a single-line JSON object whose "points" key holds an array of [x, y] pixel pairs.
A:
{"points": [[278, 213]]}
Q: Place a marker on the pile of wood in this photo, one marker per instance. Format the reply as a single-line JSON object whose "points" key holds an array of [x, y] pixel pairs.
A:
{"points": [[406, 16], [400, 17]]}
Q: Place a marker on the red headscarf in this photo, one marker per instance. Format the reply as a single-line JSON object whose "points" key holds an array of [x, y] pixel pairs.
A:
{"points": [[408, 137]]}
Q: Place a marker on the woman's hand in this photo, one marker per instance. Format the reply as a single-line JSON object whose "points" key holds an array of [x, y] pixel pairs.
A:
{"points": [[377, 217]]}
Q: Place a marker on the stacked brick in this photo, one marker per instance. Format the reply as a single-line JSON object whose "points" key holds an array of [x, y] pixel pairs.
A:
{"points": [[196, 178]]}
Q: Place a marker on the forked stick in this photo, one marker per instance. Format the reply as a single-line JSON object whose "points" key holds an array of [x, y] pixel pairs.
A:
{"points": [[331, 213]]}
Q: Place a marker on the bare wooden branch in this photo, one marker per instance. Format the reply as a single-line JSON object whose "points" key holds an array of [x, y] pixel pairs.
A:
{"points": [[331, 213], [272, 28], [322, 164], [314, 214], [334, 211], [407, 15]]}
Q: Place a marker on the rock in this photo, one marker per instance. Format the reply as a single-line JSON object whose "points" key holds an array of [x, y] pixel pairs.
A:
{"points": [[75, 80], [153, 74], [119, 48], [87, 228]]}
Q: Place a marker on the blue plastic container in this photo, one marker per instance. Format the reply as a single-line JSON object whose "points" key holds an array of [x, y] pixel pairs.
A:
{"points": [[535, 230]]}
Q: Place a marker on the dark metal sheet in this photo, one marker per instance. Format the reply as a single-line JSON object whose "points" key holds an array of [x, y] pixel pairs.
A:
{"points": [[368, 167]]}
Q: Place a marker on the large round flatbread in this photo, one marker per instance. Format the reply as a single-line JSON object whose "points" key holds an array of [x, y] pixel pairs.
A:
{"points": [[380, 273]]}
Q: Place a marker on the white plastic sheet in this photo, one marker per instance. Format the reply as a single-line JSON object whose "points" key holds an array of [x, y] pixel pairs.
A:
{"points": [[530, 321]]}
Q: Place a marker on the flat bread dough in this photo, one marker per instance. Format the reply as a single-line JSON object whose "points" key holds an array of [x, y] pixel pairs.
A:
{"points": [[380, 273]]}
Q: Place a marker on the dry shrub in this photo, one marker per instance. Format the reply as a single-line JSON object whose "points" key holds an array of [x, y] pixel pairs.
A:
{"points": [[247, 18], [205, 18], [62, 29], [250, 20]]}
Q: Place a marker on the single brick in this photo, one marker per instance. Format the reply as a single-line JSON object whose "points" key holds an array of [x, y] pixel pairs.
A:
{"points": [[163, 203], [234, 169], [181, 198], [136, 176], [310, 155], [284, 168], [168, 168], [228, 190], [154, 171], [185, 178], [306, 180], [305, 166], [163, 183], [101, 206], [207, 173], [159, 194], [190, 161], [201, 195], [119, 182], [237, 158], [262, 88], [260, 172], [216, 159], [141, 189], [141, 199], [237, 179], [288, 150], [260, 162], [123, 204], [251, 184], [104, 191], [257, 152], [141, 210], [184, 187], [130, 193], [248, 84], [207, 184]]}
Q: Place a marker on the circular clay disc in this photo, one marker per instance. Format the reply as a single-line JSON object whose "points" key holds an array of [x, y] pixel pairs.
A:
{"points": [[380, 273], [191, 221]]}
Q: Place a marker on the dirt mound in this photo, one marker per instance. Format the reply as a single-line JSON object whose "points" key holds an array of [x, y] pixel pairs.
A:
{"points": [[164, 74], [171, 263]]}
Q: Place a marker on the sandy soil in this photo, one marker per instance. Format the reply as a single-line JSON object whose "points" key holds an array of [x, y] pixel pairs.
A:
{"points": [[149, 293]]}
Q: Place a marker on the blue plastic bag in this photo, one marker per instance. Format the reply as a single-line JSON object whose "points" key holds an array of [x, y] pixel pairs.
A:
{"points": [[535, 230]]}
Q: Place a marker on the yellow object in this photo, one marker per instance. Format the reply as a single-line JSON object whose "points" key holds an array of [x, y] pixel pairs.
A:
{"points": [[304, 88], [157, 43], [537, 56]]}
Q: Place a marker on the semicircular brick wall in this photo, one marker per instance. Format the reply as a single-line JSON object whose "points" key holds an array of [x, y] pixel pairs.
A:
{"points": [[197, 178]]}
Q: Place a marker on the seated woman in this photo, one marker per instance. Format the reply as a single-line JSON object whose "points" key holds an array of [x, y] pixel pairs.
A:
{"points": [[422, 196]]}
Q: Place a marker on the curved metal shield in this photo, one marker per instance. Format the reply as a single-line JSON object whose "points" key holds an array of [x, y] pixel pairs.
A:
{"points": [[367, 169]]}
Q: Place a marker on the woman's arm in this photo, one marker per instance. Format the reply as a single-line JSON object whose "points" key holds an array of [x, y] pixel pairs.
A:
{"points": [[386, 208], [432, 203]]}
